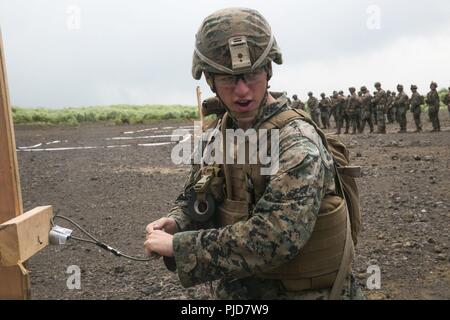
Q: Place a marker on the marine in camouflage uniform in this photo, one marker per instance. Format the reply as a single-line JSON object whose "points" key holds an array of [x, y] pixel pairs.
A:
{"points": [[401, 103], [394, 107], [446, 100], [313, 107], [281, 217], [366, 109], [354, 109], [389, 105], [433, 101], [345, 115], [297, 103], [379, 101], [325, 107], [415, 102], [338, 105]]}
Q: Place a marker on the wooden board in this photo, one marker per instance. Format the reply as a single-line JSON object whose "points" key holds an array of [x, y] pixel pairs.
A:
{"points": [[15, 283], [24, 236], [14, 280]]}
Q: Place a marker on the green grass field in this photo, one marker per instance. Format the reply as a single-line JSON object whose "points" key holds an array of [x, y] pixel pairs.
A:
{"points": [[118, 114]]}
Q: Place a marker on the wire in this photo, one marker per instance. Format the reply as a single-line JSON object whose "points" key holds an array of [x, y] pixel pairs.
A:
{"points": [[97, 242]]}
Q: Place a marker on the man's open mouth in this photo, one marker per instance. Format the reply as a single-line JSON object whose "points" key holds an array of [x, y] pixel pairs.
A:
{"points": [[243, 103]]}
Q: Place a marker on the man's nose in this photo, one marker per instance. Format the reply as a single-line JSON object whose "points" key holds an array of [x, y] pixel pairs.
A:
{"points": [[241, 87]]}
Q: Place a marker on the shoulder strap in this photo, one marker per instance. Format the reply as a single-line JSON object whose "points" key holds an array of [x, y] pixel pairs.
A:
{"points": [[281, 119]]}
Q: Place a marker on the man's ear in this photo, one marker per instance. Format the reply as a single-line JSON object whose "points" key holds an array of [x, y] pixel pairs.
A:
{"points": [[210, 81]]}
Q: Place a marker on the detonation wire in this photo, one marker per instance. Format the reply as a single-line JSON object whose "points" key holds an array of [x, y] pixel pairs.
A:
{"points": [[97, 242]]}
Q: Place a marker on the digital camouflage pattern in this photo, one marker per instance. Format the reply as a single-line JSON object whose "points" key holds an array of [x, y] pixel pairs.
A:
{"points": [[380, 100], [433, 102], [325, 108], [338, 104], [297, 104], [415, 102], [279, 225], [366, 111], [446, 100], [401, 105], [354, 111], [212, 39], [313, 108]]}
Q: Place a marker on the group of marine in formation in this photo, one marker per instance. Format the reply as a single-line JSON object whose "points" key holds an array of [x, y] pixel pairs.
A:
{"points": [[358, 109]]}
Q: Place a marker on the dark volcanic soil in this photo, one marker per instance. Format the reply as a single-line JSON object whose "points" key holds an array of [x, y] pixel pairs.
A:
{"points": [[116, 192]]}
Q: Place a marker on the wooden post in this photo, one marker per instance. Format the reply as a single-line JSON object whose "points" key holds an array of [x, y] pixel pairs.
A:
{"points": [[14, 281], [199, 104]]}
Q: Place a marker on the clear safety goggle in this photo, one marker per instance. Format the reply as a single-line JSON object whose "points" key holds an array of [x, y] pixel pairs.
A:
{"points": [[230, 81]]}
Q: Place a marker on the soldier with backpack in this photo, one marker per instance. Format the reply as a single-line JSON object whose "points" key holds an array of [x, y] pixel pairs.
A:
{"points": [[286, 235]]}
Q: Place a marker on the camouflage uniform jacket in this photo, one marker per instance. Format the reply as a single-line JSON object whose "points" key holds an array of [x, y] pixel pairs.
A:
{"points": [[279, 226], [433, 99], [380, 100], [415, 102], [401, 100], [297, 104], [325, 105], [366, 104], [353, 104], [312, 104], [446, 99]]}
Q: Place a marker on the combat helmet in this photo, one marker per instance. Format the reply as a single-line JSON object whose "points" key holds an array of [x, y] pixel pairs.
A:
{"points": [[295, 97], [399, 87], [377, 84], [363, 89], [234, 41], [433, 84], [413, 87], [310, 94]]}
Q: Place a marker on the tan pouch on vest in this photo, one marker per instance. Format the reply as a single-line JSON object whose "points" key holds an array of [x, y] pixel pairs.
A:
{"points": [[317, 264], [231, 212]]}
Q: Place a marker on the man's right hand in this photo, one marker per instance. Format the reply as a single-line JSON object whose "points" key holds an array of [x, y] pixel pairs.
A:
{"points": [[167, 224]]}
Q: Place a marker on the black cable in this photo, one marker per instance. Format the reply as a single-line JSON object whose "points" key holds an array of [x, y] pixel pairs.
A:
{"points": [[98, 242]]}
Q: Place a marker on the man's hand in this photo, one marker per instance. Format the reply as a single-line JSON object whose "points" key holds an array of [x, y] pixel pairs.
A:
{"points": [[167, 224], [159, 242]]}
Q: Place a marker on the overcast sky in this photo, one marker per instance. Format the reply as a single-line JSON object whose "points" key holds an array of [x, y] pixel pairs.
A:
{"points": [[62, 53]]}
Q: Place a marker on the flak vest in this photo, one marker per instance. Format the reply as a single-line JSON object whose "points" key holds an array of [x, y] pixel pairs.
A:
{"points": [[325, 260]]}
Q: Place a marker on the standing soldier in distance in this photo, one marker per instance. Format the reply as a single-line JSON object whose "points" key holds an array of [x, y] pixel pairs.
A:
{"points": [[415, 102], [338, 103], [389, 106], [353, 109], [401, 103], [345, 114], [433, 101], [297, 103], [324, 106], [366, 109], [374, 110], [380, 100], [394, 107], [446, 100], [313, 106]]}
